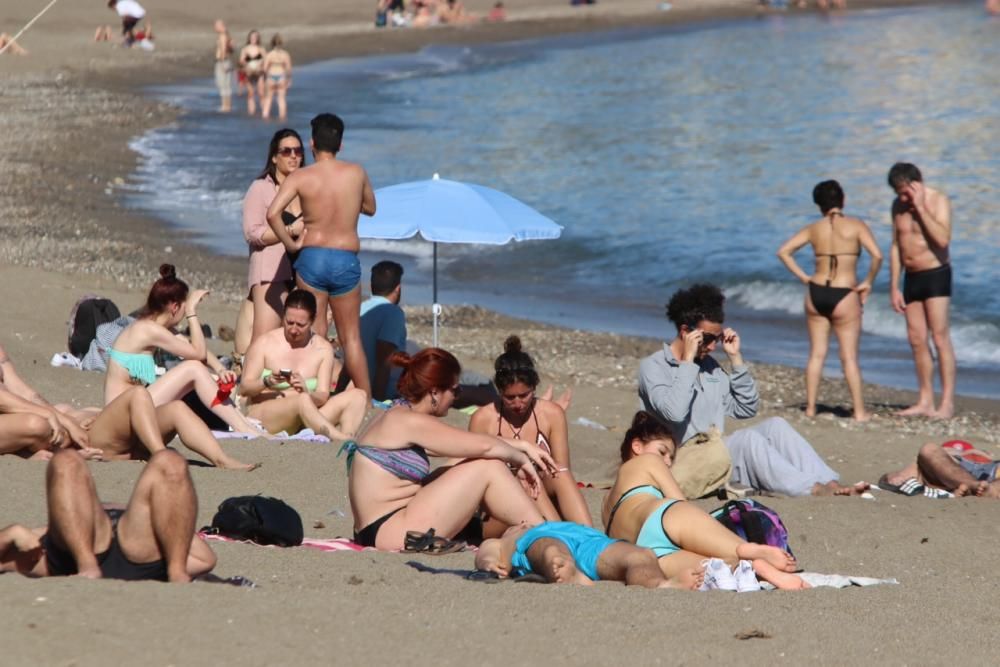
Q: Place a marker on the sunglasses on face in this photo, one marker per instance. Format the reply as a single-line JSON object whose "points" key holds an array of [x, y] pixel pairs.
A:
{"points": [[709, 338], [288, 151]]}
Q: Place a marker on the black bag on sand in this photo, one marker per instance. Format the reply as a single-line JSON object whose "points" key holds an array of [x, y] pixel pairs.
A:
{"points": [[260, 519], [88, 313]]}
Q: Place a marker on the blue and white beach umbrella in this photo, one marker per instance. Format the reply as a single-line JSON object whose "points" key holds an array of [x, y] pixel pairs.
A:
{"points": [[443, 211]]}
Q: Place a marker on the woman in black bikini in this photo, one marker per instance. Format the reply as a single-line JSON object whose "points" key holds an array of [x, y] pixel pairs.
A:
{"points": [[835, 297], [252, 64], [521, 415]]}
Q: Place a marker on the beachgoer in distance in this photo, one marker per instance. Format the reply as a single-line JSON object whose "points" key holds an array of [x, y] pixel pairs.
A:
{"points": [[131, 358], [498, 13], [287, 376], [333, 194], [252, 67], [834, 298], [519, 414], [646, 507], [131, 12], [391, 487], [270, 270], [972, 472], [921, 232], [153, 539], [568, 553], [383, 327], [9, 45], [223, 66], [278, 72], [688, 389], [992, 7]]}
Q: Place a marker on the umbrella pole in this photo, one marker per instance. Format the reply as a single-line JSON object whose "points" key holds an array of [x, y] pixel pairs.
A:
{"points": [[436, 308]]}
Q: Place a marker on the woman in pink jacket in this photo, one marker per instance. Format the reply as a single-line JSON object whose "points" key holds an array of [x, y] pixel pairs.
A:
{"points": [[270, 268]]}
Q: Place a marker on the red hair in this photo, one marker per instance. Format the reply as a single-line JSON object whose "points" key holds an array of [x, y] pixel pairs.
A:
{"points": [[165, 291], [431, 368]]}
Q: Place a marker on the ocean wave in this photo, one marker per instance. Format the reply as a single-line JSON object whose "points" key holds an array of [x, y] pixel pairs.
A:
{"points": [[975, 342]]}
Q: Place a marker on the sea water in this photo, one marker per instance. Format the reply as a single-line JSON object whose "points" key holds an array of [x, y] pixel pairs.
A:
{"points": [[668, 155]]}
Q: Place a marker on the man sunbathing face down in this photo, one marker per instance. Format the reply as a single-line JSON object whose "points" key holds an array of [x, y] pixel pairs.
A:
{"points": [[567, 553]]}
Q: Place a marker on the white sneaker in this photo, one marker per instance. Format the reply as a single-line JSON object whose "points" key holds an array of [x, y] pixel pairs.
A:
{"points": [[746, 578], [718, 576]]}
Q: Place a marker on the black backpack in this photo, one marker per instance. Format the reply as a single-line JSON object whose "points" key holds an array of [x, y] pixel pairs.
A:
{"points": [[259, 519], [88, 313]]}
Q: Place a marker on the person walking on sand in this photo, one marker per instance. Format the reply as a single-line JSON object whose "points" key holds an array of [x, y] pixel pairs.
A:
{"points": [[921, 232], [278, 71], [835, 299], [333, 193], [223, 66], [131, 12]]}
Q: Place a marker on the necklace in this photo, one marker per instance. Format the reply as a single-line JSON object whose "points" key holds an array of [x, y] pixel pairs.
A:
{"points": [[515, 431]]}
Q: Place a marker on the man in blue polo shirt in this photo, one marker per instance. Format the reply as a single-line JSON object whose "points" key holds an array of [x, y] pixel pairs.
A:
{"points": [[383, 328]]}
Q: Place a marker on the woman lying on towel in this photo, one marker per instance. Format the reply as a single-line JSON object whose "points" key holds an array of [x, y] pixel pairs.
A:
{"points": [[391, 487], [646, 507], [521, 415], [287, 374], [130, 361]]}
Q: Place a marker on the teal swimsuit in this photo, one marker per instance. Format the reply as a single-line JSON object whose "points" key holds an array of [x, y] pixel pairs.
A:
{"points": [[652, 535], [140, 367], [585, 544]]}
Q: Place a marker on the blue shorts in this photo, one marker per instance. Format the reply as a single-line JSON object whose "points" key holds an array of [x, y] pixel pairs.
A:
{"points": [[983, 472], [585, 545], [329, 270]]}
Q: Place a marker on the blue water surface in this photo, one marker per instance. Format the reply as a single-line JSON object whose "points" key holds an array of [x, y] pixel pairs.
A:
{"points": [[669, 155]]}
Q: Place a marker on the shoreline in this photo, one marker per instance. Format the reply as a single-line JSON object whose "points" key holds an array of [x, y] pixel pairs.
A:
{"points": [[78, 247]]}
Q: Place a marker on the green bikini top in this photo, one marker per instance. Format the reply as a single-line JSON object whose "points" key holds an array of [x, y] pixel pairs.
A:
{"points": [[311, 383]]}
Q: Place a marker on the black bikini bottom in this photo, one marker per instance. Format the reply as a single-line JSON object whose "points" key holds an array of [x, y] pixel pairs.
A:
{"points": [[825, 299], [366, 536]]}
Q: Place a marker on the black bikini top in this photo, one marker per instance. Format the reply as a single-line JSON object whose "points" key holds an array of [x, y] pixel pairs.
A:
{"points": [[289, 218], [832, 255]]}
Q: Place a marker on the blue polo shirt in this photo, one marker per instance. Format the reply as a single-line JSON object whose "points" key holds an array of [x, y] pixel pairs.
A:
{"points": [[382, 320]]}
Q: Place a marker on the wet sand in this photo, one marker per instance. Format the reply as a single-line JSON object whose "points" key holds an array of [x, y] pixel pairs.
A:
{"points": [[69, 111]]}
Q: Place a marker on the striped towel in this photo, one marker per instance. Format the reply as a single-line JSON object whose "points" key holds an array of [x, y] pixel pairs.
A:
{"points": [[331, 544]]}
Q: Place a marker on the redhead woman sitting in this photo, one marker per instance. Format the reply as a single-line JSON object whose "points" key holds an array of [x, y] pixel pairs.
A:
{"points": [[391, 487]]}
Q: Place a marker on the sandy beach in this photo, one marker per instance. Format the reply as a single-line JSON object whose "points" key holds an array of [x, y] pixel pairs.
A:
{"points": [[69, 111]]}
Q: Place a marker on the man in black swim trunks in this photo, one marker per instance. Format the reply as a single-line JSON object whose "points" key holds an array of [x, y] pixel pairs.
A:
{"points": [[153, 538], [921, 224]]}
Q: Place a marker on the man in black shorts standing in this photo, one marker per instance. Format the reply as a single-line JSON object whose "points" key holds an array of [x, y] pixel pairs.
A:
{"points": [[153, 538], [921, 232]]}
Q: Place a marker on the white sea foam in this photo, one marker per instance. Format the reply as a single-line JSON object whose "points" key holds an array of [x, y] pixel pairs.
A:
{"points": [[975, 342]]}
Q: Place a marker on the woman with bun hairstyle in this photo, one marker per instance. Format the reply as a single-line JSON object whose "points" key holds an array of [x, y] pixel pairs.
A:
{"points": [[519, 414], [391, 488], [645, 506], [130, 361]]}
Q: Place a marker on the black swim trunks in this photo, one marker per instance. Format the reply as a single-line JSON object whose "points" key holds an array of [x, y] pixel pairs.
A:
{"points": [[113, 563], [923, 285]]}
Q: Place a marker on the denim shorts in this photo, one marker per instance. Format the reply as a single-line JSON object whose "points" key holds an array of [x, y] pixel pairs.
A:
{"points": [[329, 270], [983, 472]]}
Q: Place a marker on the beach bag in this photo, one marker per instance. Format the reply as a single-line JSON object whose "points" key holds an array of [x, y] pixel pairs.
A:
{"points": [[702, 465], [259, 519], [754, 522], [87, 314]]}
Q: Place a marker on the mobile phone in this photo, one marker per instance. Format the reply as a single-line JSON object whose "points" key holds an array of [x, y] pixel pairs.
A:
{"points": [[285, 373]]}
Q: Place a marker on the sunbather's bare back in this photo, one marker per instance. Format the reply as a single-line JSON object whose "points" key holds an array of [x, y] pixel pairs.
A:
{"points": [[333, 193]]}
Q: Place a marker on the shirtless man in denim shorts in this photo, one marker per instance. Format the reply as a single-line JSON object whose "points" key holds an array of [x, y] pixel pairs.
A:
{"points": [[333, 193]]}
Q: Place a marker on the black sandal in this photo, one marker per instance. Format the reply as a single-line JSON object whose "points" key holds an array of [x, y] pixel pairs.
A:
{"points": [[429, 543]]}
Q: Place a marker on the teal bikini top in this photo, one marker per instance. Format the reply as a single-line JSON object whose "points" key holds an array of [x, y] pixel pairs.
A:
{"points": [[648, 489], [140, 366]]}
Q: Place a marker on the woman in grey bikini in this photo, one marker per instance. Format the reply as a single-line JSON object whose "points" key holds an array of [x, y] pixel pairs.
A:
{"points": [[391, 487]]}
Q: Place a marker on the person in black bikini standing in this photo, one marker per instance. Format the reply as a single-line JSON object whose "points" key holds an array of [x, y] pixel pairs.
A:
{"points": [[835, 297], [921, 232]]}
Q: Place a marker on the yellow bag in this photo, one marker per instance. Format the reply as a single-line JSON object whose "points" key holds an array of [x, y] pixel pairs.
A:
{"points": [[702, 464]]}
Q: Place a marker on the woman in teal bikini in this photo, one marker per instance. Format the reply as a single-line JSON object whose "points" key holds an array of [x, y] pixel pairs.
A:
{"points": [[390, 484], [646, 507], [131, 358]]}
